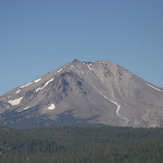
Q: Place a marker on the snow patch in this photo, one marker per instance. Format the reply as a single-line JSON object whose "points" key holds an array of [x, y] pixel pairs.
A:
{"points": [[60, 70], [90, 66], [26, 85], [72, 67], [40, 88], [118, 105], [17, 91], [15, 102], [37, 80], [26, 108], [51, 107], [154, 87]]}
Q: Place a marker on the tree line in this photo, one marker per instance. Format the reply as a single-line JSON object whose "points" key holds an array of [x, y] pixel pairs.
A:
{"points": [[81, 145]]}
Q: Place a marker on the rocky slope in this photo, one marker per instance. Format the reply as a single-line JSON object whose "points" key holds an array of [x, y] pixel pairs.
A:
{"points": [[84, 93]]}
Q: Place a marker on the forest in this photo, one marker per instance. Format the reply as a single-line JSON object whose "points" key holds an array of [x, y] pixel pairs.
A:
{"points": [[95, 144]]}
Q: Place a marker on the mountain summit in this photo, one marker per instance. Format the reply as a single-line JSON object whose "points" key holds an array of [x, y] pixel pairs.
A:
{"points": [[84, 93]]}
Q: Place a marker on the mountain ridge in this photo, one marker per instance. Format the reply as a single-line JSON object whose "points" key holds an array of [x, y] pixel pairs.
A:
{"points": [[84, 93]]}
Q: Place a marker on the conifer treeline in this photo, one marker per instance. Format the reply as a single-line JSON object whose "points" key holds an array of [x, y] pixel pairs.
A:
{"points": [[81, 145]]}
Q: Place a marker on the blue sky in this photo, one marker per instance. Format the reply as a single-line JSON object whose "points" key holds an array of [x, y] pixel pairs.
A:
{"points": [[38, 36]]}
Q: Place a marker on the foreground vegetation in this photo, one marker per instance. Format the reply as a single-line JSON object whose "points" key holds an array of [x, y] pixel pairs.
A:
{"points": [[81, 145]]}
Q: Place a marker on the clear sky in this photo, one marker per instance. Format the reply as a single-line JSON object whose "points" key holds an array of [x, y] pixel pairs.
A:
{"points": [[38, 36]]}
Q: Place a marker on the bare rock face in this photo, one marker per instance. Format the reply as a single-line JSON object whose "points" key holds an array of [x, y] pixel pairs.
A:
{"points": [[84, 93]]}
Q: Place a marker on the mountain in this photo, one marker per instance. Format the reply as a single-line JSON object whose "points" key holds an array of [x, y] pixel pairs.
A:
{"points": [[84, 93]]}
